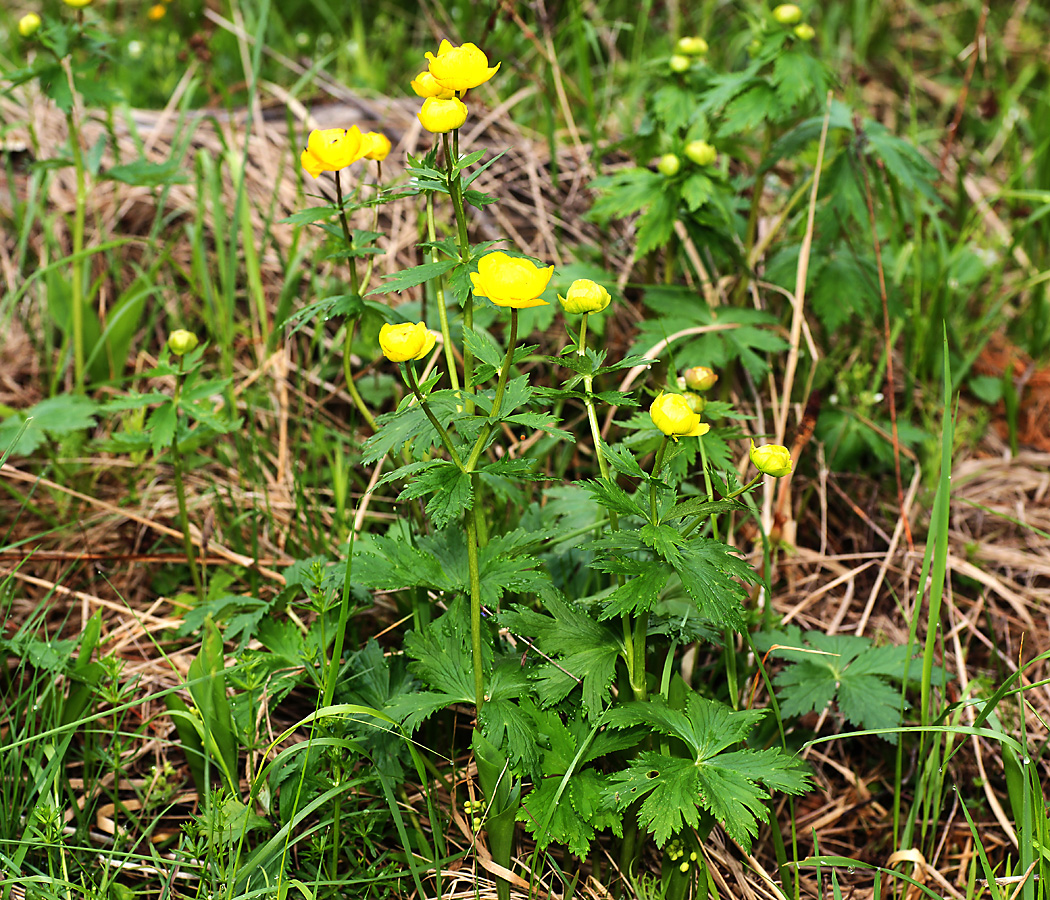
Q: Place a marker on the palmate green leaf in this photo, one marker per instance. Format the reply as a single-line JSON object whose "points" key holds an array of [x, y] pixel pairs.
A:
{"points": [[161, 426], [724, 87], [539, 422], [628, 362], [797, 74], [639, 593], [144, 173], [450, 486], [407, 278], [697, 190], [410, 424], [584, 650], [656, 225], [624, 193], [902, 161], [664, 540], [709, 571], [699, 506], [725, 784], [54, 417], [751, 109], [614, 498], [504, 722], [846, 668], [622, 460]]}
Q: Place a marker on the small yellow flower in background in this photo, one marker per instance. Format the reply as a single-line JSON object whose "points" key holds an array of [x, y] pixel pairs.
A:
{"points": [[772, 459], [77, 4], [805, 32], [181, 342], [440, 116], [691, 46], [460, 68], [695, 401], [156, 12], [426, 85], [785, 14], [375, 145], [679, 63], [672, 415], [701, 152], [331, 149], [668, 164], [700, 378], [28, 25], [511, 281], [584, 296], [400, 343]]}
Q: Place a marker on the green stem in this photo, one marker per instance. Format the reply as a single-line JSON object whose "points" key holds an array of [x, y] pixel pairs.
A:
{"points": [[592, 419], [79, 216], [348, 374], [355, 285], [658, 464], [439, 293], [497, 402], [413, 384], [180, 491], [475, 607], [455, 190]]}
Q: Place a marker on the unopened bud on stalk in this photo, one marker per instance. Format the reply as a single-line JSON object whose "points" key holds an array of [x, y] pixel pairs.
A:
{"points": [[181, 342]]}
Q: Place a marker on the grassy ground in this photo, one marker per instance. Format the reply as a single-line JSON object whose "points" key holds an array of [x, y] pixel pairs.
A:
{"points": [[197, 700]]}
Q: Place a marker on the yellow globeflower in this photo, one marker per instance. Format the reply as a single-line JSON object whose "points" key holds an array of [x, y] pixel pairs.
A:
{"points": [[426, 85], [375, 145], [772, 459], [400, 343], [156, 12], [460, 68], [672, 414], [28, 25], [440, 116], [77, 4], [700, 378], [181, 341], [785, 14], [584, 296], [331, 149], [511, 281]]}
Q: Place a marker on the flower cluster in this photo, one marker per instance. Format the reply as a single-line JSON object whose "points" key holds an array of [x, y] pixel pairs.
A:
{"points": [[476, 810], [454, 70], [332, 149]]}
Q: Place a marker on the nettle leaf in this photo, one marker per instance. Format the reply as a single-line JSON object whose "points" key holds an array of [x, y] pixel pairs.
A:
{"points": [[584, 652], [725, 784], [708, 570], [846, 668], [614, 498]]}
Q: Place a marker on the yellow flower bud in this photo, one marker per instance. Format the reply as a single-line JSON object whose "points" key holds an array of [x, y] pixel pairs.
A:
{"points": [[28, 25], [772, 459], [701, 152], [511, 281], [805, 32], [695, 401], [181, 342], [691, 46], [156, 12], [679, 63], [441, 116], [400, 343], [669, 164], [460, 68], [684, 867], [426, 85], [787, 14], [700, 378], [672, 415], [375, 145], [331, 149], [584, 296], [77, 4]]}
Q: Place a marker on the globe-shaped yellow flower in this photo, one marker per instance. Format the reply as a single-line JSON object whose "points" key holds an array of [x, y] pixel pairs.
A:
{"points": [[460, 68], [400, 343], [375, 146], [28, 25], [77, 4], [426, 85], [672, 414], [700, 378], [772, 459], [440, 116], [584, 296], [331, 149], [511, 281], [785, 14], [181, 342]]}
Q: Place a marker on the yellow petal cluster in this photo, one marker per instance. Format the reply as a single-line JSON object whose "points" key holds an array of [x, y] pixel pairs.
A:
{"points": [[460, 68], [772, 459], [376, 146], [672, 414], [400, 343], [440, 116], [511, 281], [426, 85], [28, 25], [584, 296], [332, 149]]}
